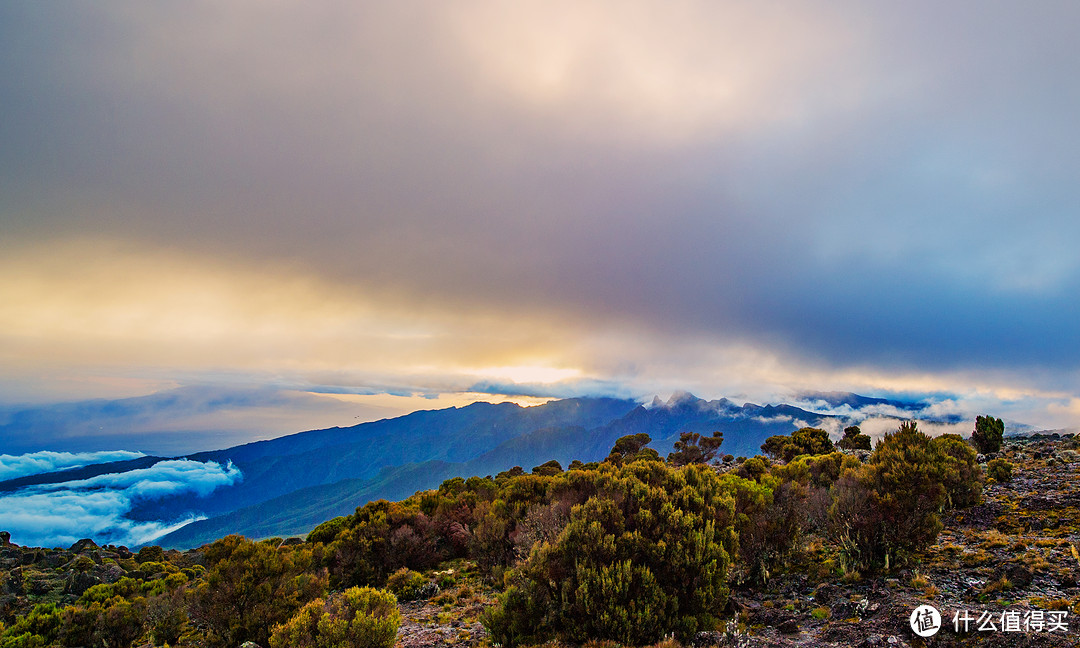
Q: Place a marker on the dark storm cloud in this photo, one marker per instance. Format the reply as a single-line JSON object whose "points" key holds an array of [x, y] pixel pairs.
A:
{"points": [[856, 186]]}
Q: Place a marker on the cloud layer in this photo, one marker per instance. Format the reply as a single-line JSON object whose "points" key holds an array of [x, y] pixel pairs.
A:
{"points": [[382, 197], [34, 463], [60, 514]]}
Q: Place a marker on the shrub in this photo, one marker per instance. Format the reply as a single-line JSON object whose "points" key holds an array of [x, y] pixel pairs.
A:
{"points": [[360, 617], [644, 557], [753, 468], [854, 439], [988, 434], [408, 585], [962, 478], [552, 467], [250, 587], [886, 510], [150, 554], [1000, 470], [805, 441]]}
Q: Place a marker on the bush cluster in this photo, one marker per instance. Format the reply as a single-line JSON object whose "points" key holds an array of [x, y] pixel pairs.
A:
{"points": [[629, 550], [887, 509], [359, 617], [645, 555], [806, 441], [1000, 470]]}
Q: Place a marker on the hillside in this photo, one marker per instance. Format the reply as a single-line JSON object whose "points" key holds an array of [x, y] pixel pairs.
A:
{"points": [[1012, 554], [297, 511]]}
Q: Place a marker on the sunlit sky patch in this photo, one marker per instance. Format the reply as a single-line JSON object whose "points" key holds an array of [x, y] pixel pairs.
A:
{"points": [[425, 204]]}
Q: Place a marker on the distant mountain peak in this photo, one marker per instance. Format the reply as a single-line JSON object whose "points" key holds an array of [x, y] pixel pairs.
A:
{"points": [[682, 398]]}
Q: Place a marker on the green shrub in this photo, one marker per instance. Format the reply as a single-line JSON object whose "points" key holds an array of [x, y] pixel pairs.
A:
{"points": [[1000, 470], [359, 617], [886, 510], [988, 434], [250, 587], [152, 553], [854, 439], [962, 478], [552, 467], [805, 441], [644, 557], [407, 585]]}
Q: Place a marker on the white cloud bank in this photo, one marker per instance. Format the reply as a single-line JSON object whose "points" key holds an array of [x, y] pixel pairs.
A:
{"points": [[35, 463], [60, 514]]}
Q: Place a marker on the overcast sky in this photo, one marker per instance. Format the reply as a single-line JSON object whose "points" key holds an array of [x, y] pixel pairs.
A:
{"points": [[549, 198]]}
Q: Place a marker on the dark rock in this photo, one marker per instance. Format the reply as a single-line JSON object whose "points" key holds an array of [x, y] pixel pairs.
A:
{"points": [[79, 582], [83, 545], [790, 626], [54, 560], [825, 593], [1019, 575], [5, 538], [109, 573], [843, 609], [704, 639]]}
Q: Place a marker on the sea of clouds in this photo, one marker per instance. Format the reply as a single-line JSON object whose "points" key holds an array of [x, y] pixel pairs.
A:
{"points": [[34, 463], [57, 515]]}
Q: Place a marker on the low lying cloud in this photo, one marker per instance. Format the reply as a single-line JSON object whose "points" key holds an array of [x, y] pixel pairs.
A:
{"points": [[769, 420], [35, 463], [880, 426], [60, 514]]}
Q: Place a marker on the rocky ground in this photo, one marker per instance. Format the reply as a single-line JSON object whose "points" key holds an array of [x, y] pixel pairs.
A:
{"points": [[1011, 560], [31, 575]]}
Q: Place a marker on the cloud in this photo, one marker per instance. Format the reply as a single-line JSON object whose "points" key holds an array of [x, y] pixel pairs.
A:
{"points": [[717, 197], [59, 514], [45, 461], [769, 420]]}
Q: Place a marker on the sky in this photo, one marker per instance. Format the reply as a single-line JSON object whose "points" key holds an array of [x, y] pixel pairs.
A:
{"points": [[347, 211]]}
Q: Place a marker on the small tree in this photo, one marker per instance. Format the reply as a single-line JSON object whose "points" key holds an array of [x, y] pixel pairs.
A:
{"points": [[694, 448], [631, 447], [854, 439], [552, 467], [988, 434]]}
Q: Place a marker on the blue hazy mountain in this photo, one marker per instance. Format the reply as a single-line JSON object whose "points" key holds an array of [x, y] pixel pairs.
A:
{"points": [[292, 483], [397, 457], [455, 435]]}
